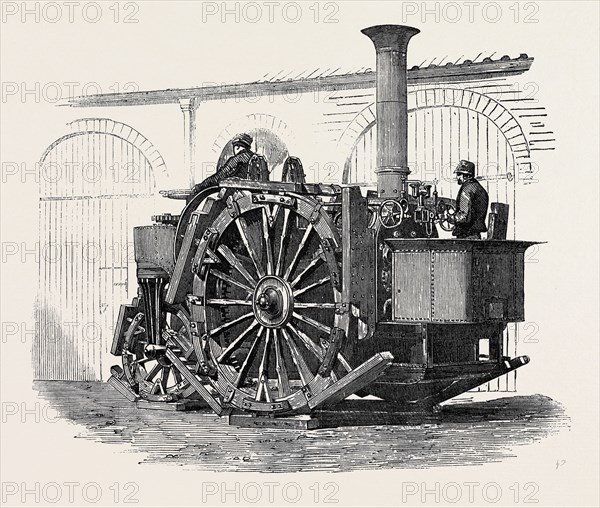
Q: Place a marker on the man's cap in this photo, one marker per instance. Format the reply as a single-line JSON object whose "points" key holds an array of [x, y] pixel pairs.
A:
{"points": [[243, 140], [465, 168]]}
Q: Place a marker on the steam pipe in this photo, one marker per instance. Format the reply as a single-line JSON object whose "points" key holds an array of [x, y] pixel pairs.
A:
{"points": [[391, 42]]}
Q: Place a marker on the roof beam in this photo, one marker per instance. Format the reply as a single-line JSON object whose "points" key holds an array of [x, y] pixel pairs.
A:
{"points": [[467, 71]]}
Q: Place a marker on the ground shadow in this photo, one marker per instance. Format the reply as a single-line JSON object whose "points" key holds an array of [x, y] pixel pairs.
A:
{"points": [[466, 433]]}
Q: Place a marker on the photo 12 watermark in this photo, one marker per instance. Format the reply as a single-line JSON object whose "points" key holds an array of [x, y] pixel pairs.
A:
{"points": [[27, 413], [471, 12], [90, 177], [69, 12], [57, 493], [53, 92], [469, 493], [56, 331], [100, 255], [269, 493], [270, 12]]}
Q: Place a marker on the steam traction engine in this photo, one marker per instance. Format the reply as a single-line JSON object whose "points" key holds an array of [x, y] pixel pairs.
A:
{"points": [[282, 297]]}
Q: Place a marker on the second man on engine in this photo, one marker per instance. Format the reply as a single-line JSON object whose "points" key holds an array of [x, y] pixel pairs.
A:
{"points": [[471, 203]]}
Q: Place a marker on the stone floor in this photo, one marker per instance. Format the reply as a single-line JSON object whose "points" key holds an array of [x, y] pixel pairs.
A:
{"points": [[467, 432]]}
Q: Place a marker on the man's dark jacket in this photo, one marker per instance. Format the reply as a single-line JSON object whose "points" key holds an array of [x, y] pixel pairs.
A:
{"points": [[471, 209], [236, 166]]}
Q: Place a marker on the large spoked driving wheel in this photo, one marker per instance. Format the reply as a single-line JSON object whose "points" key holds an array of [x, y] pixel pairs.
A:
{"points": [[146, 368], [268, 290]]}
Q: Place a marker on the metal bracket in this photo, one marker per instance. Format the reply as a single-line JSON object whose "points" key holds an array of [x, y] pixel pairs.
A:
{"points": [[336, 341], [342, 308], [194, 300], [316, 213], [252, 405], [335, 279], [306, 391], [204, 366], [209, 235], [229, 395], [233, 207], [274, 199], [199, 265], [197, 328], [330, 246]]}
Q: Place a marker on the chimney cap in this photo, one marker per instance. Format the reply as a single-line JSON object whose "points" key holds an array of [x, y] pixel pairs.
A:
{"points": [[390, 36]]}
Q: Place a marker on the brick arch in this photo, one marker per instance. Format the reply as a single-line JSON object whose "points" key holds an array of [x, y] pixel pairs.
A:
{"points": [[480, 103], [119, 130], [254, 121]]}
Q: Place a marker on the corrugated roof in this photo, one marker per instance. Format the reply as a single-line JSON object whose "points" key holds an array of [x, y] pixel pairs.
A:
{"points": [[319, 72]]}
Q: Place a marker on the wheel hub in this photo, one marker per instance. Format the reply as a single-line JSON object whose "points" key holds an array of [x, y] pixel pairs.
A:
{"points": [[156, 352], [270, 301], [273, 302]]}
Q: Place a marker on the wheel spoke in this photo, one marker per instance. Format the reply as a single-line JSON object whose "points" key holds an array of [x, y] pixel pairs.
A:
{"points": [[320, 282], [231, 280], [313, 305], [305, 373], [234, 262], [227, 302], [178, 340], [165, 378], [343, 362], [268, 245], [283, 242], [275, 213], [155, 370], [313, 322], [249, 359], [263, 371], [309, 267], [237, 342], [243, 229], [157, 388], [283, 380], [141, 361], [229, 324], [292, 265], [311, 345]]}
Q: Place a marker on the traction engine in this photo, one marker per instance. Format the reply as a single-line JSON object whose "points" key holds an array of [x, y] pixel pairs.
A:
{"points": [[279, 298]]}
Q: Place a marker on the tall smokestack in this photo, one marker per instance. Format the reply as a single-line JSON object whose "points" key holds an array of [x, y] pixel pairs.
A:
{"points": [[390, 43]]}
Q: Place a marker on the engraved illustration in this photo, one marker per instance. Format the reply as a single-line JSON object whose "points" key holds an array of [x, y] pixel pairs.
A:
{"points": [[274, 312]]}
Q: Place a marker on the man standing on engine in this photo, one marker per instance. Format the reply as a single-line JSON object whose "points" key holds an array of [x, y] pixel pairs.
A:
{"points": [[471, 203], [235, 167]]}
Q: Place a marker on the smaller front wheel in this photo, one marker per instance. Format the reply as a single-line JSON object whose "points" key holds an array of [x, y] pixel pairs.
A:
{"points": [[146, 367]]}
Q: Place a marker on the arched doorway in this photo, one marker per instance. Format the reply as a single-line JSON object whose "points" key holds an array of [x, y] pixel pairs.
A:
{"points": [[96, 183]]}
